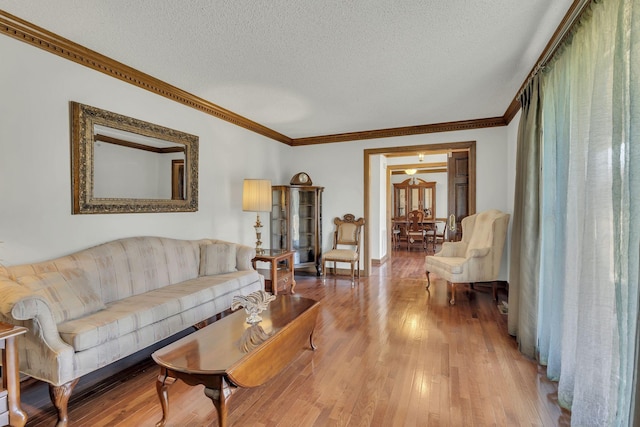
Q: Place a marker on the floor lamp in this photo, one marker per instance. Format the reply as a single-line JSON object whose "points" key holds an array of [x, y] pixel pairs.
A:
{"points": [[256, 197]]}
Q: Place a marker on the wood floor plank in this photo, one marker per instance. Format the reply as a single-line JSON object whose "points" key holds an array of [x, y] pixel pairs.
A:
{"points": [[389, 354]]}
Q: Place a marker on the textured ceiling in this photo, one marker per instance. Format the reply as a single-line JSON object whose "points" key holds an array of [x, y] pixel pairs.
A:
{"points": [[312, 67]]}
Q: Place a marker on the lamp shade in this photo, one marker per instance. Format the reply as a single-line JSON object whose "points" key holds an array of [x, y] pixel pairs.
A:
{"points": [[256, 195]]}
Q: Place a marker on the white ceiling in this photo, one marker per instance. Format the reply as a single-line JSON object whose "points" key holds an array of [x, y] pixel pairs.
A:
{"points": [[312, 67]]}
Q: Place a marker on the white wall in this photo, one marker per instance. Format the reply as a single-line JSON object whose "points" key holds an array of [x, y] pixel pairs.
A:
{"points": [[35, 180], [35, 187], [339, 168], [378, 204]]}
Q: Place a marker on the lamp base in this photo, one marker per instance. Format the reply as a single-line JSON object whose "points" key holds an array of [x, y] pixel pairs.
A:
{"points": [[258, 228]]}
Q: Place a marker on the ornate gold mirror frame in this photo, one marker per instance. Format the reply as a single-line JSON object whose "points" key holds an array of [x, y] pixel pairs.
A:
{"points": [[147, 168]]}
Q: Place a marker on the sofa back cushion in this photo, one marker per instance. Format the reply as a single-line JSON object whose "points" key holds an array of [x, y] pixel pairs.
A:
{"points": [[126, 267], [217, 258], [68, 293]]}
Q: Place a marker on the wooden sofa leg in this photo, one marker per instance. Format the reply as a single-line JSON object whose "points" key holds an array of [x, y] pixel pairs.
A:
{"points": [[60, 398], [428, 281]]}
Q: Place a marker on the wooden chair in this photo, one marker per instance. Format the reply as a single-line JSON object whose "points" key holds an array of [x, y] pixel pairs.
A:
{"points": [[441, 231], [430, 237], [395, 236], [346, 245], [416, 231]]}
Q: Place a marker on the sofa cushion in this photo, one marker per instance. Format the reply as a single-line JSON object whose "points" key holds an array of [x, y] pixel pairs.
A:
{"points": [[217, 258], [134, 313], [68, 292]]}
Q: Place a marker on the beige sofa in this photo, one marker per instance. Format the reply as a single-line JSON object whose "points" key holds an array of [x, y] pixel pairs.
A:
{"points": [[91, 308]]}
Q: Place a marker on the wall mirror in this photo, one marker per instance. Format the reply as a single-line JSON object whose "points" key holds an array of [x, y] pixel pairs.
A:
{"points": [[124, 165]]}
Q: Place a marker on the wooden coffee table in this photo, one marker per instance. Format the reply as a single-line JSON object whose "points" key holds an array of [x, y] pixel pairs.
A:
{"points": [[231, 353]]}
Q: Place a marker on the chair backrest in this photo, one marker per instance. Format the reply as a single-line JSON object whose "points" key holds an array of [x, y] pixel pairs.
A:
{"points": [[486, 229], [348, 231], [416, 219]]}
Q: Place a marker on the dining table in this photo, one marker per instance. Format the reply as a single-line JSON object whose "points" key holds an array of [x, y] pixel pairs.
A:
{"points": [[399, 229]]}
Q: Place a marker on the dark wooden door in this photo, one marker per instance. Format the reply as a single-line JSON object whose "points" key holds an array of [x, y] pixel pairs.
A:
{"points": [[458, 185]]}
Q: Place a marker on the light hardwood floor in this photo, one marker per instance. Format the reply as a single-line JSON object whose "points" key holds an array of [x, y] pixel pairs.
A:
{"points": [[389, 354]]}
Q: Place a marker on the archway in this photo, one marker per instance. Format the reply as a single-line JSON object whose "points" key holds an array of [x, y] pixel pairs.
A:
{"points": [[410, 150]]}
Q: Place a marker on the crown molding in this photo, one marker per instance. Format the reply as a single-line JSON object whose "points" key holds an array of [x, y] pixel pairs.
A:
{"points": [[401, 131], [24, 31], [512, 110]]}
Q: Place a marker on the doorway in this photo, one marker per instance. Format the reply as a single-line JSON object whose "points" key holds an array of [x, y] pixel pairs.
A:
{"points": [[468, 146]]}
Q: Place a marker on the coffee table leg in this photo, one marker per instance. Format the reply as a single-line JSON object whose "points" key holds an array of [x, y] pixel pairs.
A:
{"points": [[220, 396], [162, 387], [311, 343]]}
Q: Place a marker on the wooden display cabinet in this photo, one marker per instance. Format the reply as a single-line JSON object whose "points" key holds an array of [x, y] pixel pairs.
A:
{"points": [[414, 194], [296, 224]]}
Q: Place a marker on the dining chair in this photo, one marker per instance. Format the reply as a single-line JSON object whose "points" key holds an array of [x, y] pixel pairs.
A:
{"points": [[346, 245], [416, 231]]}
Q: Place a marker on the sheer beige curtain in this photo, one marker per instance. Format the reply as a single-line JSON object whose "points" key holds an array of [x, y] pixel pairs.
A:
{"points": [[525, 234], [575, 256]]}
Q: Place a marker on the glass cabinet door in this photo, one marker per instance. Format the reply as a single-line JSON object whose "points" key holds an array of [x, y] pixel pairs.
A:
{"points": [[401, 202], [279, 215], [303, 225]]}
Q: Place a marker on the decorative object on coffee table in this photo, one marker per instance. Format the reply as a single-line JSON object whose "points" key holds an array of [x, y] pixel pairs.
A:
{"points": [[253, 304]]}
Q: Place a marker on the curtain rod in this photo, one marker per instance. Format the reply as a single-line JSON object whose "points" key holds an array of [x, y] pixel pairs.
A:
{"points": [[563, 31]]}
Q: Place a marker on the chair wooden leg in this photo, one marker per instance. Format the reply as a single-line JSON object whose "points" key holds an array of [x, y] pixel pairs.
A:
{"points": [[452, 286], [352, 275], [428, 281]]}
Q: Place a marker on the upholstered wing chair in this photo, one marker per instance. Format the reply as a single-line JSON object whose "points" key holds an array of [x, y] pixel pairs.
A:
{"points": [[477, 257]]}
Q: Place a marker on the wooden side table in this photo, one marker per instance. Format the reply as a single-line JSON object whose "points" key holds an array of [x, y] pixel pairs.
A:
{"points": [[10, 411], [280, 274]]}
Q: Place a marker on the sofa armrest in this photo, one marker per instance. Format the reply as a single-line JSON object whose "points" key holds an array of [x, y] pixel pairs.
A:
{"points": [[244, 255], [453, 249], [18, 303]]}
